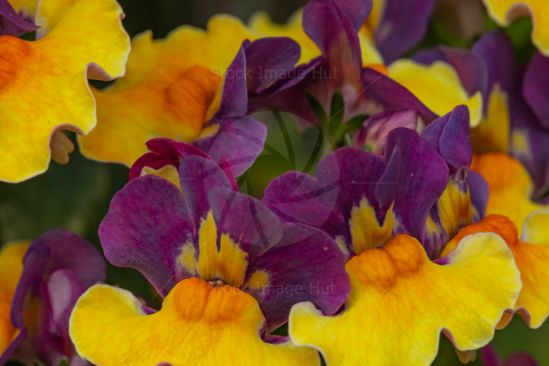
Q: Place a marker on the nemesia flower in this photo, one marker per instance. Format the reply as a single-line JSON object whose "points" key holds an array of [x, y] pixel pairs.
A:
{"points": [[228, 270], [189, 87], [57, 65], [56, 269], [490, 358], [505, 11], [335, 90], [402, 293]]}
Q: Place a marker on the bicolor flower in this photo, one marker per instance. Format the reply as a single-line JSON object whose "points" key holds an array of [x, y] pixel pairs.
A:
{"points": [[39, 289], [57, 65], [229, 271], [335, 90], [378, 211], [490, 358], [190, 87], [504, 12]]}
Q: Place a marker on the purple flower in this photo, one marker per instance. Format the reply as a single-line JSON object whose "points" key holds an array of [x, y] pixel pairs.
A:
{"points": [[11, 23], [490, 358], [58, 267]]}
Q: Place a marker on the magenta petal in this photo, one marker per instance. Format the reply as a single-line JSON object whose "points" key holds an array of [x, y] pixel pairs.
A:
{"points": [[234, 99], [248, 221], [536, 87], [520, 359], [11, 23], [306, 265], [237, 143], [270, 60], [355, 172], [145, 228], [415, 177], [57, 268], [403, 25], [449, 135], [298, 197], [376, 129], [197, 177]]}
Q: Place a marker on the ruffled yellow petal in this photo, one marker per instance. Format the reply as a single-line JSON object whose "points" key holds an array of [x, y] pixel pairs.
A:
{"points": [[43, 84], [505, 11], [493, 134], [438, 86], [531, 255], [11, 267], [261, 24], [400, 301], [510, 186], [198, 325], [170, 90]]}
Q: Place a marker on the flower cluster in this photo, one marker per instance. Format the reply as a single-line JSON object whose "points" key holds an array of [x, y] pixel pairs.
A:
{"points": [[422, 210]]}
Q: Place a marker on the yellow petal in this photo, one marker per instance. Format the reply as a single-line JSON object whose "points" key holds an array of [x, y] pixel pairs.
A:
{"points": [[366, 231], [43, 84], [494, 131], [11, 267], [505, 11], [400, 302], [438, 86], [531, 255], [171, 90], [198, 325], [510, 186]]}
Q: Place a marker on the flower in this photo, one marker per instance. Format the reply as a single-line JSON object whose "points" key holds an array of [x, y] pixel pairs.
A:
{"points": [[42, 288], [57, 65], [12, 23], [381, 211], [504, 12], [190, 87], [228, 269]]}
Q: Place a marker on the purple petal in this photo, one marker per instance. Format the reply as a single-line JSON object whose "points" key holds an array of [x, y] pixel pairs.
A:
{"points": [[13, 24], [391, 95], [306, 265], [298, 197], [535, 87], [145, 228], [355, 172], [496, 50], [234, 99], [479, 192], [57, 268], [198, 176], [237, 143], [402, 26], [376, 129], [248, 221], [489, 357], [415, 177], [333, 27], [449, 135], [163, 152], [521, 359], [269, 60]]}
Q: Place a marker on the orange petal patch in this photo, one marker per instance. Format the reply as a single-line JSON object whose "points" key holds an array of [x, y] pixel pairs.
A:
{"points": [[510, 186], [43, 84], [400, 301], [198, 325]]}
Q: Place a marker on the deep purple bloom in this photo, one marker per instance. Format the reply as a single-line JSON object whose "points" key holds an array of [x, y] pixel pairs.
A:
{"points": [[169, 233], [58, 267], [490, 358]]}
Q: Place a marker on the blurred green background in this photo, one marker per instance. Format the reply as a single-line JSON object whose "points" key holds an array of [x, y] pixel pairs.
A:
{"points": [[76, 196]]}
